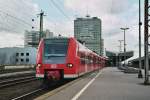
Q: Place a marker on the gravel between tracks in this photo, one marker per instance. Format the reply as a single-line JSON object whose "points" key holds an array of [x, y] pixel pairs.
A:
{"points": [[14, 91]]}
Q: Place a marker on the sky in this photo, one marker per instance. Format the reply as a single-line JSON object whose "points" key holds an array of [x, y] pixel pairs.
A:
{"points": [[16, 17]]}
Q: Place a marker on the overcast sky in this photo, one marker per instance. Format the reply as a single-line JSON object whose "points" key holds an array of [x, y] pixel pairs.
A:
{"points": [[16, 17]]}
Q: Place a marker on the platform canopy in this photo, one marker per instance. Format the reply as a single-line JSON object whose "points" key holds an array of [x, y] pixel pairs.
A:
{"points": [[127, 55], [115, 57]]}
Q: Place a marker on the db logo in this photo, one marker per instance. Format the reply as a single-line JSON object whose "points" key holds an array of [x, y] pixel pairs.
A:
{"points": [[53, 66]]}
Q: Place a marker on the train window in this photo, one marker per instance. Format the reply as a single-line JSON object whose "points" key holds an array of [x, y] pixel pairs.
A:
{"points": [[82, 55], [97, 61], [94, 60], [51, 49], [89, 59], [86, 59], [55, 51], [100, 61], [82, 61]]}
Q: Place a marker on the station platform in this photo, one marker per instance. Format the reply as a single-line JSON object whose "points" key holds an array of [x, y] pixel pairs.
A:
{"points": [[107, 84]]}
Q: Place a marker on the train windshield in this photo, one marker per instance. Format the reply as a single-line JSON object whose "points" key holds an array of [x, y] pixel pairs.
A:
{"points": [[55, 50]]}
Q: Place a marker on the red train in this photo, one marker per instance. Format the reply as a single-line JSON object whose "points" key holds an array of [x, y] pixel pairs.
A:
{"points": [[61, 58]]}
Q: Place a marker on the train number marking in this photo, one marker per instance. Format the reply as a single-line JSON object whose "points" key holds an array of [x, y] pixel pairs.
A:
{"points": [[53, 66]]}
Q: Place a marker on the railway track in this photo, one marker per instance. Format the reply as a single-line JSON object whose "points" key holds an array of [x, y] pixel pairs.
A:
{"points": [[35, 93], [55, 88], [32, 89], [28, 94], [12, 82]]}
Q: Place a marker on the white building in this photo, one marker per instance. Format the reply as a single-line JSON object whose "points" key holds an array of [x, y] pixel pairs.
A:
{"points": [[32, 37], [18, 56]]}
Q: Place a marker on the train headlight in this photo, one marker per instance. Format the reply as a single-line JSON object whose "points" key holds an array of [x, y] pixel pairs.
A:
{"points": [[69, 65], [38, 65]]}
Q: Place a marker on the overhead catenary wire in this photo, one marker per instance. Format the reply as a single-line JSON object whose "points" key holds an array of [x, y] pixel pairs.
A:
{"points": [[7, 29], [15, 5], [5, 26], [60, 10], [16, 18], [9, 25], [10, 22], [26, 13], [60, 1], [3, 22], [56, 5]]}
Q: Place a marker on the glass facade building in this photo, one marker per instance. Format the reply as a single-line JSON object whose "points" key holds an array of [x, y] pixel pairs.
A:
{"points": [[88, 30]]}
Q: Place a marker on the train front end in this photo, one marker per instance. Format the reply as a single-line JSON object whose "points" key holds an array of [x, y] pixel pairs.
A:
{"points": [[55, 58]]}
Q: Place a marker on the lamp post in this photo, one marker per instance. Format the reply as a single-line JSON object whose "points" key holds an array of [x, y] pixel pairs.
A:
{"points": [[120, 50], [120, 45], [124, 30], [140, 23]]}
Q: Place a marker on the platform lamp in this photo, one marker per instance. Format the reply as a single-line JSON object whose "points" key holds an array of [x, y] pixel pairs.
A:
{"points": [[140, 24], [124, 30]]}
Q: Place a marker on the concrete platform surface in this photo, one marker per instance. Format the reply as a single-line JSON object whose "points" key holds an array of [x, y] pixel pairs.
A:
{"points": [[108, 84]]}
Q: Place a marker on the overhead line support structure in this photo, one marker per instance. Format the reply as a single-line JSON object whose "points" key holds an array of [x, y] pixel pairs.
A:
{"points": [[140, 75], [41, 24], [124, 30], [146, 38], [120, 51]]}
